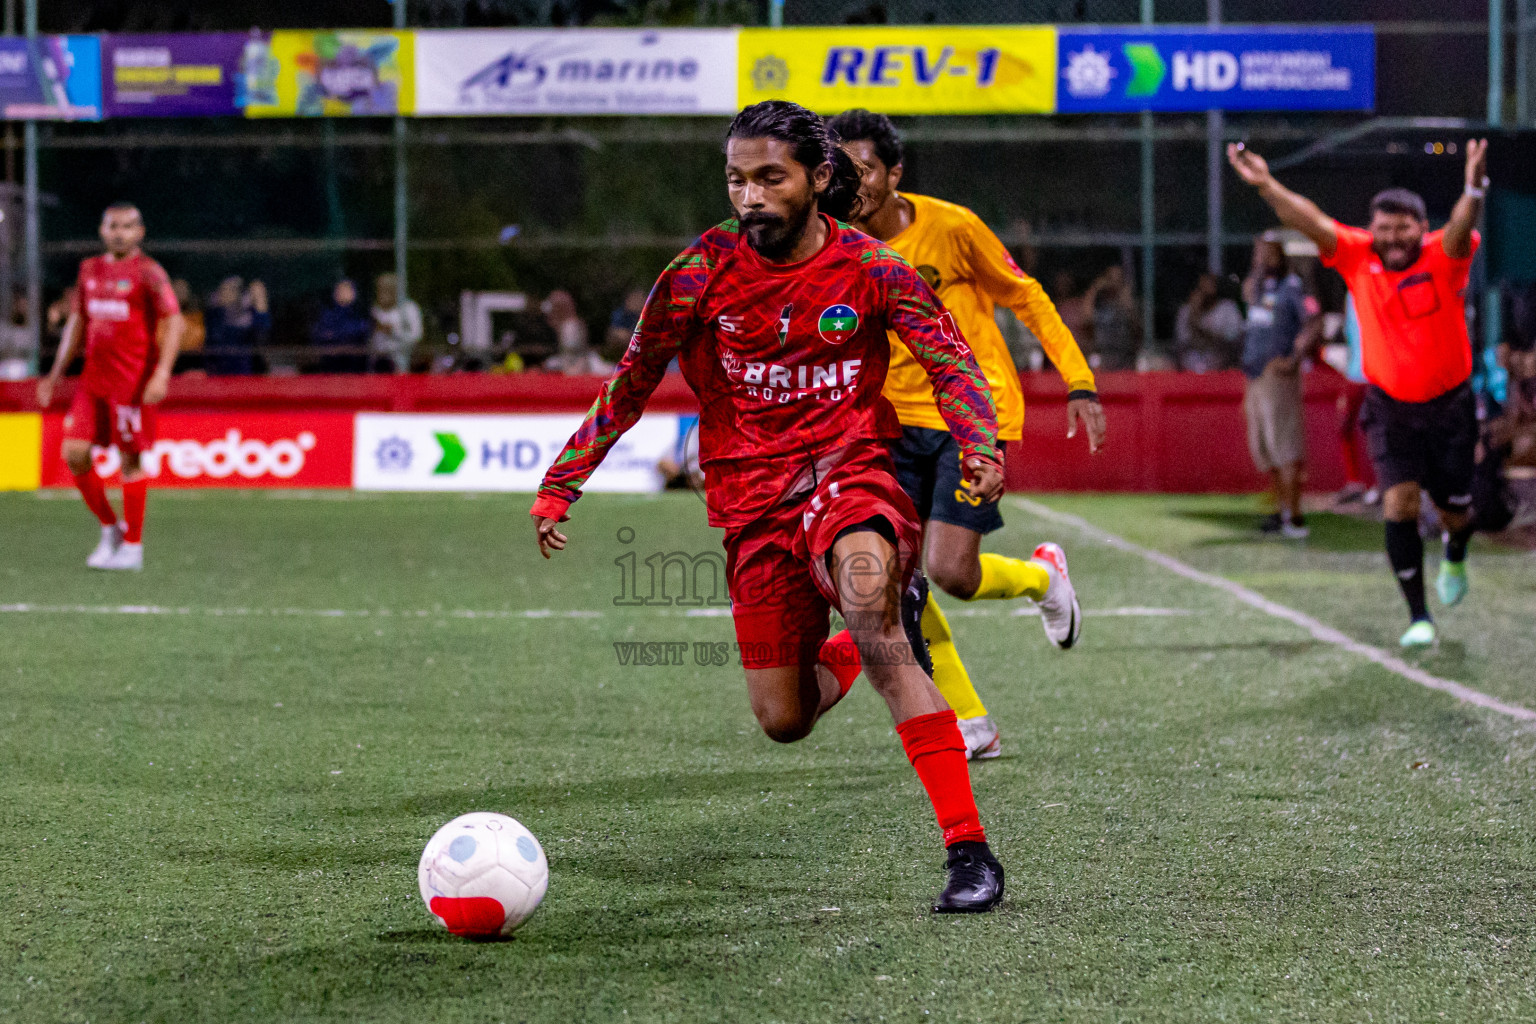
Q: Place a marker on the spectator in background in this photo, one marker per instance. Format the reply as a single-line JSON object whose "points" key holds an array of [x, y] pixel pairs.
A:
{"points": [[343, 329], [1116, 322], [396, 327], [16, 349], [1074, 311], [574, 354], [196, 330], [237, 322], [1281, 329], [1209, 332], [622, 324]]}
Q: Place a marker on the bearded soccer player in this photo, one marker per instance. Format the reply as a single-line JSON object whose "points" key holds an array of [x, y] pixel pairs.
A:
{"points": [[779, 320], [969, 268], [127, 314], [1419, 416]]}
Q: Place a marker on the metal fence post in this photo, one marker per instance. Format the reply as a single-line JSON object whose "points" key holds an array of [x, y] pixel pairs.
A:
{"points": [[1215, 127], [402, 206], [34, 227], [1148, 216]]}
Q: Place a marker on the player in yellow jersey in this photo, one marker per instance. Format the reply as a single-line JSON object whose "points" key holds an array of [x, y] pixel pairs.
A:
{"points": [[972, 272]]}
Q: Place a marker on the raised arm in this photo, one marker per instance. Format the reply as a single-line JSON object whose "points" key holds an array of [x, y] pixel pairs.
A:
{"points": [[664, 326], [1295, 211], [1001, 278], [1456, 239], [922, 323]]}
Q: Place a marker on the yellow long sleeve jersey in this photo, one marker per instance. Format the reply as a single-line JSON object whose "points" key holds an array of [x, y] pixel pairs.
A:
{"points": [[969, 267]]}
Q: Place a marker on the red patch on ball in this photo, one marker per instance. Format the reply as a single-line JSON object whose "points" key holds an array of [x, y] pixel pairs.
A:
{"points": [[470, 916]]}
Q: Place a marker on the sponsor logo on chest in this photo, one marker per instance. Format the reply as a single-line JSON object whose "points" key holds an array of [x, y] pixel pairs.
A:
{"points": [[107, 309], [788, 379]]}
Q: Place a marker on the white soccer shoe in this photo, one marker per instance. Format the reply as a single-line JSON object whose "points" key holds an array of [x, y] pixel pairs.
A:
{"points": [[1060, 613], [127, 558], [980, 737], [111, 537]]}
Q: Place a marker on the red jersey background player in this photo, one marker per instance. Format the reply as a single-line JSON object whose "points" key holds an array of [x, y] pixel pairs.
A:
{"points": [[126, 314], [779, 321]]}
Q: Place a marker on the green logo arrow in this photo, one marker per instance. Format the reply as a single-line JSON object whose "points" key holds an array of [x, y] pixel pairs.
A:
{"points": [[453, 454], [1147, 69]]}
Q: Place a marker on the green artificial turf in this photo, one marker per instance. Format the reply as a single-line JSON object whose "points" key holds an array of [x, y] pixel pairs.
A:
{"points": [[212, 809]]}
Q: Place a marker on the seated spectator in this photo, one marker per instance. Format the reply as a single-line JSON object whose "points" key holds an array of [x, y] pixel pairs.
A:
{"points": [[1513, 432], [622, 324], [196, 330], [16, 348], [1209, 330], [236, 323], [342, 331], [574, 355], [396, 327], [1115, 320]]}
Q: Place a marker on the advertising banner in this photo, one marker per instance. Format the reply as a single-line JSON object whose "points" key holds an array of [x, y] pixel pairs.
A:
{"points": [[430, 452], [191, 74], [244, 449], [576, 71], [52, 77], [918, 70], [1106, 70], [333, 74], [21, 441]]}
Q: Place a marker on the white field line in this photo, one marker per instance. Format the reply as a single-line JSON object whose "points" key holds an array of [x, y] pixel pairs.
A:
{"points": [[1319, 631], [446, 613]]}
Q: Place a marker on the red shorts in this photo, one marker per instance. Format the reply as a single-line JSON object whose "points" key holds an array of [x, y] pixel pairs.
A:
{"points": [[781, 591], [104, 423]]}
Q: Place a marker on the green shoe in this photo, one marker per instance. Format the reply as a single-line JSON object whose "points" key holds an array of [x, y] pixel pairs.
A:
{"points": [[1420, 634], [1451, 584]]}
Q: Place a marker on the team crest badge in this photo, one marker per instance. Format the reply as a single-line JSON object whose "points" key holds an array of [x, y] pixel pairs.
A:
{"points": [[837, 324]]}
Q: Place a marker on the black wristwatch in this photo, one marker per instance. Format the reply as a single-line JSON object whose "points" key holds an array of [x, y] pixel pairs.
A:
{"points": [[1078, 394]]}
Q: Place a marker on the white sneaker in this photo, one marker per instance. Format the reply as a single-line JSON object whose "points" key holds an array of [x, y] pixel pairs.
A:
{"points": [[1059, 610], [129, 557], [980, 737], [111, 537]]}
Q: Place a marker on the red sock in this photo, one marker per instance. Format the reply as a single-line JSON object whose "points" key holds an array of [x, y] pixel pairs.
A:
{"points": [[95, 497], [841, 656], [134, 493], [937, 752]]}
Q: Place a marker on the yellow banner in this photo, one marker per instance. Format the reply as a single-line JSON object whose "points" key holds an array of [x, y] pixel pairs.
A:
{"points": [[917, 70], [337, 74], [21, 451]]}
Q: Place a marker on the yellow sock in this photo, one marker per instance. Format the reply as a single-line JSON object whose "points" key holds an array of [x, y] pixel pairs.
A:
{"points": [[1003, 578], [949, 673]]}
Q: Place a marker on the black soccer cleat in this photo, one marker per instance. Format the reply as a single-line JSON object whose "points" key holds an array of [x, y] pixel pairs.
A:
{"points": [[914, 598], [975, 880]]}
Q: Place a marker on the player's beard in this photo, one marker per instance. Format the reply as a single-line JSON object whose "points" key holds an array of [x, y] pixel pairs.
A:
{"points": [[1399, 257], [774, 237]]}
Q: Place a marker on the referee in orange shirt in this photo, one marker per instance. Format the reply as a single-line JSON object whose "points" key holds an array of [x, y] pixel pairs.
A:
{"points": [[1420, 418]]}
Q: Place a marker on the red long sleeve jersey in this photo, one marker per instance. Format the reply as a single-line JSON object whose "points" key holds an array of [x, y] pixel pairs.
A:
{"points": [[787, 362]]}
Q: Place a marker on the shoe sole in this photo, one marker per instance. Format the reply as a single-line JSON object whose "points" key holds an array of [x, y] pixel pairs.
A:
{"points": [[986, 753], [977, 908]]}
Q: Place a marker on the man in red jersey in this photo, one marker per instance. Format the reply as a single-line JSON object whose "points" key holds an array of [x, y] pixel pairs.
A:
{"points": [[1420, 418], [779, 320], [126, 311]]}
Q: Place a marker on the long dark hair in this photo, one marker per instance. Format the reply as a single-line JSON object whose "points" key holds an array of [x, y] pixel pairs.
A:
{"points": [[813, 144]]}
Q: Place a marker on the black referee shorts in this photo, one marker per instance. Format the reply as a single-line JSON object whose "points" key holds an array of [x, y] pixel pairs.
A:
{"points": [[928, 469], [1433, 443]]}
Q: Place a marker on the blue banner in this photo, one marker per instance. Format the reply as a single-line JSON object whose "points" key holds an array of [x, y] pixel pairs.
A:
{"points": [[50, 77], [1119, 69]]}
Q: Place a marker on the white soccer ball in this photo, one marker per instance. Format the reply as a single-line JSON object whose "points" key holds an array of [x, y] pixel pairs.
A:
{"points": [[483, 874]]}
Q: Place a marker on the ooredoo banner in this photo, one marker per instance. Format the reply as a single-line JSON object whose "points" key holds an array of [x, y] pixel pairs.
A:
{"points": [[192, 74], [245, 449], [576, 71], [428, 452], [903, 70]]}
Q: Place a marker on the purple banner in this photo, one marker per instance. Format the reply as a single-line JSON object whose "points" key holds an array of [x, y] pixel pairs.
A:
{"points": [[198, 74]]}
